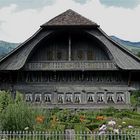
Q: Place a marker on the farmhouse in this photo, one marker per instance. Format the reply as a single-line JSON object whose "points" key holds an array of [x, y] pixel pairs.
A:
{"points": [[71, 63]]}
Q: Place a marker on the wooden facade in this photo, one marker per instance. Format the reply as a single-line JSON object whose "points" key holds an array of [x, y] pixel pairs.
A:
{"points": [[71, 63]]}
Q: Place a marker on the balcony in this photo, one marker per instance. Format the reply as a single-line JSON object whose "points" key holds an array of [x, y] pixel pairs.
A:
{"points": [[71, 65]]}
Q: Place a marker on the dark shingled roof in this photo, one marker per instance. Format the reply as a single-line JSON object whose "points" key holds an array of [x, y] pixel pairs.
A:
{"points": [[69, 18]]}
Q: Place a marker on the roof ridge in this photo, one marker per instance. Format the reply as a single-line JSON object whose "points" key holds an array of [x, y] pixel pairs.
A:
{"points": [[69, 18]]}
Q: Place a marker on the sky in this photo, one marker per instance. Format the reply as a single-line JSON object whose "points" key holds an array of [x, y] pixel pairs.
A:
{"points": [[19, 19]]}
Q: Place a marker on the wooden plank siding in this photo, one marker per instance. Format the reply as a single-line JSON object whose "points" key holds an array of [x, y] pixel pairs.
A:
{"points": [[72, 65]]}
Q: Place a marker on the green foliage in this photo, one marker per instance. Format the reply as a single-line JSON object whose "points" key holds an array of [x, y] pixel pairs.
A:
{"points": [[93, 126], [47, 119], [68, 116], [17, 116], [80, 128], [122, 114], [135, 101], [19, 97], [5, 100], [55, 110], [132, 122], [109, 111]]}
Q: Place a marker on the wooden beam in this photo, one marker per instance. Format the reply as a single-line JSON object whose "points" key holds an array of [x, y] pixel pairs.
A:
{"points": [[69, 47]]}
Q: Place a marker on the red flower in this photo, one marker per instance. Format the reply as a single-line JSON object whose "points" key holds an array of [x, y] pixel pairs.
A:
{"points": [[82, 118], [100, 118], [40, 119]]}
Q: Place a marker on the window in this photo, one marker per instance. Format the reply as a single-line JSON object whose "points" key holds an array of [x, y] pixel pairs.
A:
{"points": [[28, 97], [90, 97], [37, 97], [120, 97], [100, 97], [47, 97], [69, 98], [77, 97], [60, 98], [110, 97]]}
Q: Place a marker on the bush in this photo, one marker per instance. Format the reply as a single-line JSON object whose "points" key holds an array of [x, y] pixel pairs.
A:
{"points": [[19, 97], [42, 119], [132, 122], [110, 111], [135, 98], [17, 116], [5, 100], [93, 126], [80, 128], [122, 114]]}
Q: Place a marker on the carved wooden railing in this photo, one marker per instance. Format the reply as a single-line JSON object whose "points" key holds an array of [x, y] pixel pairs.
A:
{"points": [[71, 65]]}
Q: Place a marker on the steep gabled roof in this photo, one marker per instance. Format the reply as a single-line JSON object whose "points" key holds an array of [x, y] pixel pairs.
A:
{"points": [[69, 18], [122, 58]]}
